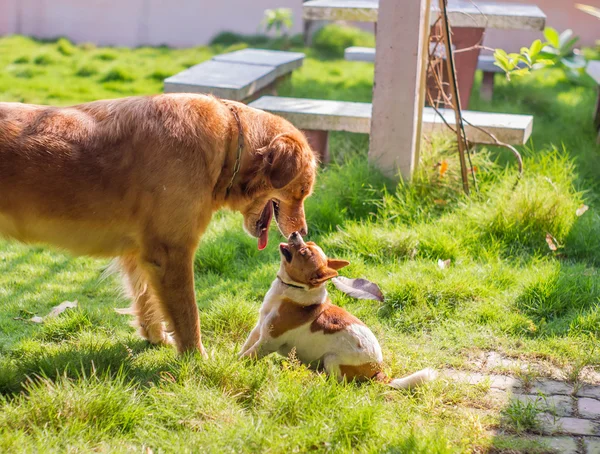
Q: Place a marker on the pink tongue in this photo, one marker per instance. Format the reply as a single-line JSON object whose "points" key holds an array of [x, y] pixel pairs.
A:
{"points": [[263, 239], [265, 218]]}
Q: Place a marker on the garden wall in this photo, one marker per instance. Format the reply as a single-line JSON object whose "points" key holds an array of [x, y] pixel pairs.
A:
{"points": [[182, 23], [562, 15]]}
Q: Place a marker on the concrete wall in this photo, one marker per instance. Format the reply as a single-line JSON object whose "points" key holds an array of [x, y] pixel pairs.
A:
{"points": [[181, 23], [178, 23], [561, 14]]}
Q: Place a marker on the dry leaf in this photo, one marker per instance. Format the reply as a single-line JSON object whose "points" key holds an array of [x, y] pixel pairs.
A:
{"points": [[57, 310], [582, 209], [443, 264], [443, 168], [361, 289], [551, 242], [440, 202]]}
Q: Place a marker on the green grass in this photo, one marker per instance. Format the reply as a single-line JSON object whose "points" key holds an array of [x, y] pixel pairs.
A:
{"points": [[85, 382]]}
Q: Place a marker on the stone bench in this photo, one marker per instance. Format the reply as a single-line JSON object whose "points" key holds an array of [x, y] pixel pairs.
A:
{"points": [[461, 13], [484, 62], [593, 70], [242, 75], [318, 117]]}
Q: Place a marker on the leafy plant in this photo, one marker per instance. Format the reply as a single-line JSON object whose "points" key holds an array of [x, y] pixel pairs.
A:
{"points": [[278, 19], [558, 50], [591, 10], [522, 415]]}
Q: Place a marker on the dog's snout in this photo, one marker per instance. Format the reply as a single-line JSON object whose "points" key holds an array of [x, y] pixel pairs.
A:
{"points": [[294, 235], [303, 231]]}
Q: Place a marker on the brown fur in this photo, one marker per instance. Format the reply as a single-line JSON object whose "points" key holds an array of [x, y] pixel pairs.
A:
{"points": [[309, 265], [333, 319], [292, 315], [365, 371], [139, 178]]}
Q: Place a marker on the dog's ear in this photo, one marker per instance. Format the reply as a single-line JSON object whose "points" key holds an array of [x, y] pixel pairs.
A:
{"points": [[324, 274], [282, 160], [337, 264]]}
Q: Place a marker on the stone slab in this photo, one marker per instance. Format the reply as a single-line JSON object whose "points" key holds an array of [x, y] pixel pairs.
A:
{"points": [[560, 445], [550, 387], [325, 115], [592, 445], [573, 426], [557, 405], [589, 391], [367, 54], [235, 81], [283, 62], [320, 115], [593, 69], [461, 13], [588, 408]]}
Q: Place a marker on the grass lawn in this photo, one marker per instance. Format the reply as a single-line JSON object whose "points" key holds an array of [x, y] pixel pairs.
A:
{"points": [[85, 382]]}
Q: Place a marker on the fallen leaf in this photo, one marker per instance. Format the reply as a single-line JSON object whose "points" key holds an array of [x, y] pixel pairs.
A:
{"points": [[361, 289], [443, 264], [55, 311], [443, 168], [551, 242], [440, 202], [582, 209]]}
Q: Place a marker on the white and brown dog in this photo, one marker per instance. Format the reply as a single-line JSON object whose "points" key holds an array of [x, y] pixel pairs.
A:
{"points": [[297, 314]]}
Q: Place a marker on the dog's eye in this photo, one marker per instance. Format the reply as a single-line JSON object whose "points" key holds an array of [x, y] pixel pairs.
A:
{"points": [[287, 254]]}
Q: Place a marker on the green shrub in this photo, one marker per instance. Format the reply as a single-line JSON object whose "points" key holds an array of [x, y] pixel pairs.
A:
{"points": [[106, 55], [86, 70], [20, 60], [230, 38], [118, 75], [65, 47], [159, 75], [333, 39], [43, 59]]}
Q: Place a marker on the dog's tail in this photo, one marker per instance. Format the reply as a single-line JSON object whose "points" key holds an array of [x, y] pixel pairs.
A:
{"points": [[410, 381]]}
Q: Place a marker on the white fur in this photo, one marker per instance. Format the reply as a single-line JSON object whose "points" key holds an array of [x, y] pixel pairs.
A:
{"points": [[353, 346]]}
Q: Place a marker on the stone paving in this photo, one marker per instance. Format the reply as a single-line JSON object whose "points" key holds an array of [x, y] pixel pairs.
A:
{"points": [[569, 416]]}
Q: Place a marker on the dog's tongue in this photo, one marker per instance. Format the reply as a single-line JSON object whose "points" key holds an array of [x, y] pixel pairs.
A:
{"points": [[263, 239], [265, 222]]}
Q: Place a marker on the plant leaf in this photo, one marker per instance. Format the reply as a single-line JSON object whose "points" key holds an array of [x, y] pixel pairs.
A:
{"points": [[551, 244], [552, 37], [443, 264], [588, 9], [443, 168], [582, 209], [535, 48], [55, 311], [361, 289]]}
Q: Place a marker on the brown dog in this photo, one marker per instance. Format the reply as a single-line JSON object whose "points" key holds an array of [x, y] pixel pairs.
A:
{"points": [[139, 178]]}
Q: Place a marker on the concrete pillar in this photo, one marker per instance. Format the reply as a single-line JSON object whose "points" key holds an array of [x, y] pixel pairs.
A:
{"points": [[399, 89]]}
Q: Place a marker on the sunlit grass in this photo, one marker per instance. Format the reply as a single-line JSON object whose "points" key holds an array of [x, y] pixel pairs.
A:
{"points": [[85, 381]]}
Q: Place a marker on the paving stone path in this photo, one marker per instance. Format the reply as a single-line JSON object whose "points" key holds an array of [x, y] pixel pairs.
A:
{"points": [[569, 418]]}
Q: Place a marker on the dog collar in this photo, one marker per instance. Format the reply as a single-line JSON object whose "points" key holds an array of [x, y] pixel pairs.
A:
{"points": [[290, 285], [238, 160]]}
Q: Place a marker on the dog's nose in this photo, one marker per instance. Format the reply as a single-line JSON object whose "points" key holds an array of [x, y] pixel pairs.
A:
{"points": [[294, 236]]}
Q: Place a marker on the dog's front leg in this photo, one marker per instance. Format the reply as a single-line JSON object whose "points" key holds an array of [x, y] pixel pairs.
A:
{"points": [[261, 348], [252, 338], [172, 278]]}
